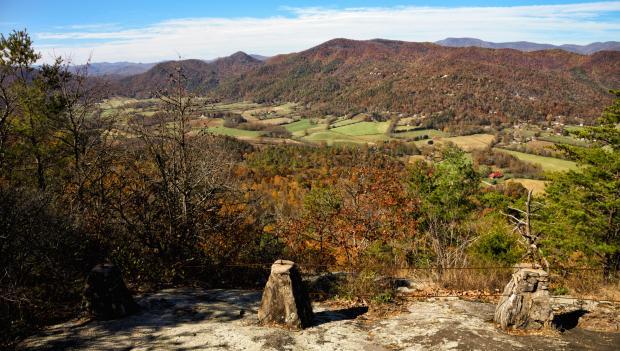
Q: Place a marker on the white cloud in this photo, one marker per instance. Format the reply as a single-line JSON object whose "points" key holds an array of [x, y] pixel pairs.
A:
{"points": [[215, 37]]}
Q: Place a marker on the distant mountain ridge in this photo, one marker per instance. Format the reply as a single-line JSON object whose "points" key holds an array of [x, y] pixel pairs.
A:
{"points": [[120, 69], [342, 76], [476, 84], [529, 46], [124, 68], [201, 75]]}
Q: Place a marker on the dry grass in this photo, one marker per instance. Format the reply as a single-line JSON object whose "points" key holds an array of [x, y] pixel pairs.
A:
{"points": [[471, 142], [538, 186], [277, 121], [586, 285], [492, 279]]}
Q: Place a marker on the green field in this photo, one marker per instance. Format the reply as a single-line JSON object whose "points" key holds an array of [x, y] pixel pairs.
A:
{"points": [[432, 133], [234, 132], [362, 128], [549, 164], [561, 139], [332, 137], [344, 123], [299, 126]]}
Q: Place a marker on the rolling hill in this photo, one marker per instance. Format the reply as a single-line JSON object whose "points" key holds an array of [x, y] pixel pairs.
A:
{"points": [[465, 85], [201, 75]]}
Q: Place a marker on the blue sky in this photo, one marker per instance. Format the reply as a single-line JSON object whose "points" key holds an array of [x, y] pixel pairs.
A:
{"points": [[153, 30]]}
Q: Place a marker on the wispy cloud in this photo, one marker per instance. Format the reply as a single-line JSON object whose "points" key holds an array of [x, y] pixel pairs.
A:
{"points": [[213, 37], [91, 26]]}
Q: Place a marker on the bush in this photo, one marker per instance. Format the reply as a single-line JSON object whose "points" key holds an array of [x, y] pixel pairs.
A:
{"points": [[374, 278], [498, 248], [277, 132], [251, 126], [44, 259], [233, 120]]}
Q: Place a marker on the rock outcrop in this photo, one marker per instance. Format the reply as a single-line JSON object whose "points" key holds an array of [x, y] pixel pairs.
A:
{"points": [[526, 302], [106, 296], [285, 300]]}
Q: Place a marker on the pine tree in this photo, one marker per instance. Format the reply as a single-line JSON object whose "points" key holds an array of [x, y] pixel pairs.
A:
{"points": [[584, 204]]}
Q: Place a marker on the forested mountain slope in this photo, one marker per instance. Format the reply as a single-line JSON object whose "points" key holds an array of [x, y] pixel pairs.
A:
{"points": [[346, 76], [202, 76]]}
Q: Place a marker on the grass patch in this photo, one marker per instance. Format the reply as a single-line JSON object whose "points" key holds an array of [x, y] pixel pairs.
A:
{"points": [[538, 186], [560, 139], [277, 121], [330, 138], [362, 128], [298, 126], [472, 142], [344, 123], [432, 133], [234, 132], [549, 164]]}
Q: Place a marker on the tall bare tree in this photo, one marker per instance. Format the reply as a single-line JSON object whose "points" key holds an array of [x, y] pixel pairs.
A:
{"points": [[523, 225]]}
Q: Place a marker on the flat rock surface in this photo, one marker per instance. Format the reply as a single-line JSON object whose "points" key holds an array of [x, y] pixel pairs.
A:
{"points": [[194, 319]]}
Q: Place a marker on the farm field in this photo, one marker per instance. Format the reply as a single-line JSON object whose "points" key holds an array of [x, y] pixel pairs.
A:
{"points": [[471, 142], [536, 185], [432, 133], [362, 128], [298, 127], [549, 164], [220, 130]]}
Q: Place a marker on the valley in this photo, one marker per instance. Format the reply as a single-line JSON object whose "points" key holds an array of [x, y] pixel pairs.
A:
{"points": [[290, 123]]}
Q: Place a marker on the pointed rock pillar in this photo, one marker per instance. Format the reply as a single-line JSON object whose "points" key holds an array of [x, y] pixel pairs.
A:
{"points": [[285, 299]]}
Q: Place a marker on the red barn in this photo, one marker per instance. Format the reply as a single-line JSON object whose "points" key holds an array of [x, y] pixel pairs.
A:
{"points": [[496, 175]]}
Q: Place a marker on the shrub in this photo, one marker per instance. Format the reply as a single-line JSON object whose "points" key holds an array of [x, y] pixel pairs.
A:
{"points": [[233, 120], [277, 132], [44, 259], [497, 247]]}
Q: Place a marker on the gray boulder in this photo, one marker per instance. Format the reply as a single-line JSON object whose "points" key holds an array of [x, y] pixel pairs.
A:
{"points": [[526, 302], [106, 296], [285, 299]]}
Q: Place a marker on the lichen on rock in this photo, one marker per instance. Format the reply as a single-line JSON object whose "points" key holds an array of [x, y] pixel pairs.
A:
{"points": [[285, 300], [525, 303]]}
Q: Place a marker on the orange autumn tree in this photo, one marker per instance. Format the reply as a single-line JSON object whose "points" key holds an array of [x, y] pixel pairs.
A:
{"points": [[338, 223]]}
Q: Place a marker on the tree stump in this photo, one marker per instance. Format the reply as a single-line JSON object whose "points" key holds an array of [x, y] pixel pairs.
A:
{"points": [[526, 302], [105, 294], [285, 299]]}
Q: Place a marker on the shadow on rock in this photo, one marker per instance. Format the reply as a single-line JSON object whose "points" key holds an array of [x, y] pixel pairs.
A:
{"points": [[160, 311], [568, 320], [339, 315]]}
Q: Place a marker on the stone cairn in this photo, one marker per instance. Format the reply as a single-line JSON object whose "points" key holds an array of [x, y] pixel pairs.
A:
{"points": [[526, 302], [105, 294], [285, 300]]}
